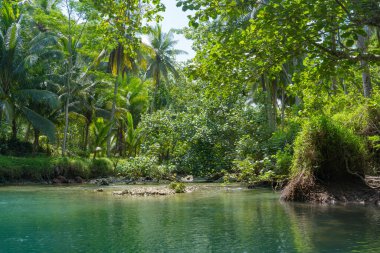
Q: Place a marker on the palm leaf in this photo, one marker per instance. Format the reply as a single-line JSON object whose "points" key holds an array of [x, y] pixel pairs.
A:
{"points": [[43, 96], [12, 37], [42, 124], [8, 109]]}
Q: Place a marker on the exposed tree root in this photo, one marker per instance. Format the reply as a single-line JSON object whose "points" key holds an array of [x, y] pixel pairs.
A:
{"points": [[306, 188]]}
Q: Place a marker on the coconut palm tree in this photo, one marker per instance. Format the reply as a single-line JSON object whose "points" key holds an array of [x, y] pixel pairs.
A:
{"points": [[17, 93], [120, 64], [162, 61]]}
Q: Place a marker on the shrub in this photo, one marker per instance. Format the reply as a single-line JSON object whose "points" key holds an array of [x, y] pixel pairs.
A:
{"points": [[325, 155], [178, 187], [17, 168], [15, 147], [162, 171], [328, 151], [283, 161], [41, 168], [364, 120], [71, 167], [137, 167], [101, 167]]}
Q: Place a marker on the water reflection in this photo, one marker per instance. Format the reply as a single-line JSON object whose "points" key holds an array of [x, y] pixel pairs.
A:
{"points": [[339, 228], [211, 221]]}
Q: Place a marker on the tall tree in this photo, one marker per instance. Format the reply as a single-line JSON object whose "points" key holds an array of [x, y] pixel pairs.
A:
{"points": [[16, 56], [162, 62]]}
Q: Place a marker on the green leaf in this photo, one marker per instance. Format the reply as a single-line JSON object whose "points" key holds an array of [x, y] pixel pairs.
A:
{"points": [[42, 124], [350, 43]]}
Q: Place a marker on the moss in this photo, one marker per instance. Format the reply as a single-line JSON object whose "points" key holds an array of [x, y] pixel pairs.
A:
{"points": [[178, 187]]}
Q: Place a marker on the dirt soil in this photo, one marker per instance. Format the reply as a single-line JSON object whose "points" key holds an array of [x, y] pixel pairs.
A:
{"points": [[306, 189]]}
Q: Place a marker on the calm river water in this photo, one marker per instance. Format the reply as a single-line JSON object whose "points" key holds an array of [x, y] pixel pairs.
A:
{"points": [[75, 219]]}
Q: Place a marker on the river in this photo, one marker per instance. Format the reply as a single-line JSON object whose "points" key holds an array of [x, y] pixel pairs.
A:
{"points": [[217, 219]]}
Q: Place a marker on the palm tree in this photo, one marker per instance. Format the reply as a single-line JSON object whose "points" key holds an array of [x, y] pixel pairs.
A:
{"points": [[119, 65], [17, 94], [131, 98], [162, 62]]}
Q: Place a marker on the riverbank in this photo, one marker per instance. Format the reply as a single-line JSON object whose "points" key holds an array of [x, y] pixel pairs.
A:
{"points": [[353, 190]]}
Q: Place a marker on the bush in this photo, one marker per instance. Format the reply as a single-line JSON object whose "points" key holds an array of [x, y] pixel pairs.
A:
{"points": [[178, 187], [283, 161], [328, 151], [15, 147], [101, 167], [365, 121], [71, 167], [137, 167], [17, 168], [41, 168], [162, 171]]}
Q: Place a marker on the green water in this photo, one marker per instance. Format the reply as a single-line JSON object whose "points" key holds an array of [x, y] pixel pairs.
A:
{"points": [[75, 219]]}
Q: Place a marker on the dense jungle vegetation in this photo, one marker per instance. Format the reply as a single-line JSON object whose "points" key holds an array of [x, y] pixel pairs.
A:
{"points": [[276, 87]]}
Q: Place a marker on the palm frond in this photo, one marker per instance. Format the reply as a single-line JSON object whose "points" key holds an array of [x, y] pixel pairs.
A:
{"points": [[12, 37], [44, 96], [42, 124], [8, 109]]}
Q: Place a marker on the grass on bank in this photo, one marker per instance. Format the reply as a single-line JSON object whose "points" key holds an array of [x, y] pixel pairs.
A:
{"points": [[46, 168]]}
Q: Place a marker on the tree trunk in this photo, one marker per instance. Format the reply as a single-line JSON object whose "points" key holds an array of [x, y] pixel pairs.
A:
{"points": [[120, 143], [366, 76], [282, 107], [66, 127], [366, 79], [334, 81], [68, 81], [14, 129], [27, 133], [344, 86], [1, 116], [156, 89], [272, 105], [112, 118], [86, 133], [36, 142]]}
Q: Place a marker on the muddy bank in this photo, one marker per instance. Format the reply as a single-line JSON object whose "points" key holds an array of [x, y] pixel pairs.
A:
{"points": [[352, 190]]}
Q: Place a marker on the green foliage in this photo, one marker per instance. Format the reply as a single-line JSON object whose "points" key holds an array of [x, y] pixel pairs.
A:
{"points": [[70, 167], [137, 167], [162, 61], [328, 151], [17, 168], [101, 167], [283, 161], [42, 168], [262, 69], [15, 147], [262, 171], [178, 187], [363, 120]]}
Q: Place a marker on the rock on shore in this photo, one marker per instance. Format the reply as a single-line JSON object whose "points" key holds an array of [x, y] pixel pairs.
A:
{"points": [[145, 191], [151, 191]]}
